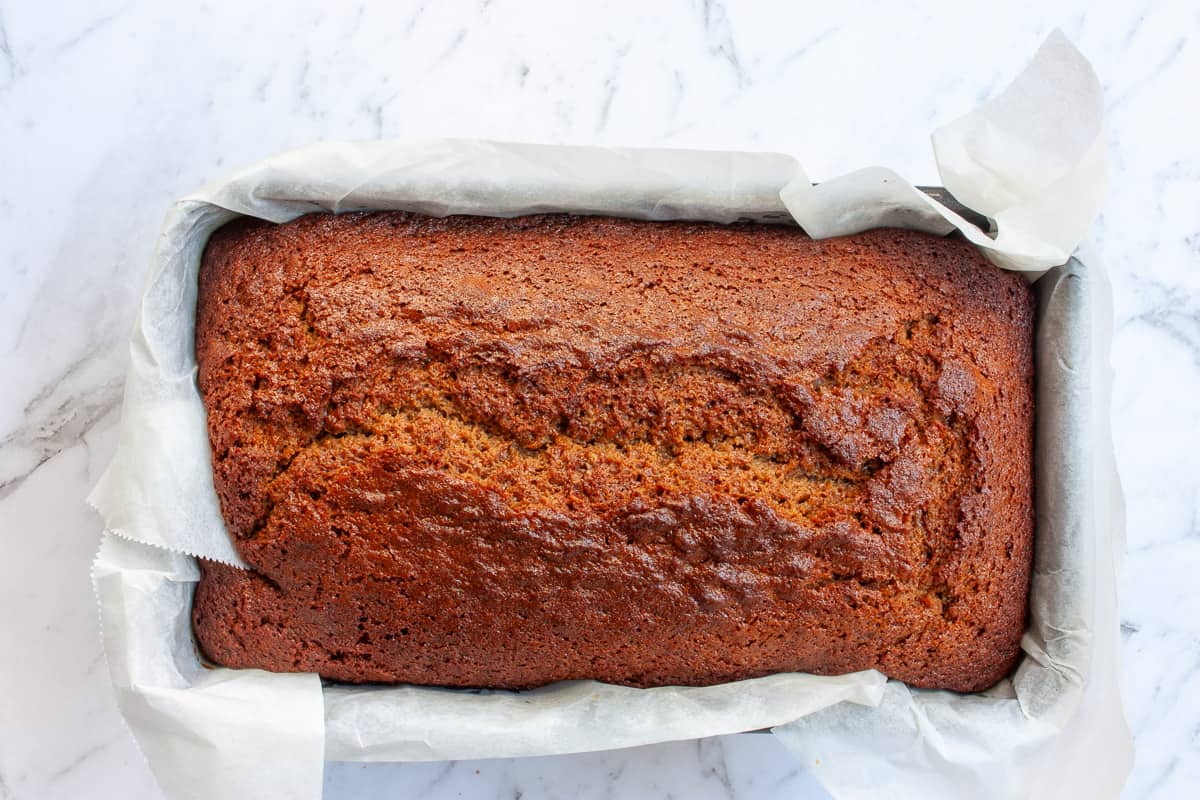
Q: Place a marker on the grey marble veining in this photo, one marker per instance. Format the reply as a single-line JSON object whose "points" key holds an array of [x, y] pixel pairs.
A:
{"points": [[110, 109]]}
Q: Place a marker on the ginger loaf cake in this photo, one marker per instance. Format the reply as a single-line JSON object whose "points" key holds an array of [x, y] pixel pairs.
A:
{"points": [[483, 452]]}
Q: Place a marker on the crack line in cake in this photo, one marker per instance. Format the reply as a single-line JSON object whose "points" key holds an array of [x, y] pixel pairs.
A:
{"points": [[435, 424], [809, 487]]}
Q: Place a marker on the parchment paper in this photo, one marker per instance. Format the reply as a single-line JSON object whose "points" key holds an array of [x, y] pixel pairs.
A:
{"points": [[1032, 160]]}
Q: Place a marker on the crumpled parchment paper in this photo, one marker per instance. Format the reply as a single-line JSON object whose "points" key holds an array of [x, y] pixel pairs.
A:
{"points": [[1031, 160]]}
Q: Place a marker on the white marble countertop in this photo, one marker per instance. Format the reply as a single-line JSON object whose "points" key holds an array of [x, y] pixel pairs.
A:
{"points": [[110, 109]]}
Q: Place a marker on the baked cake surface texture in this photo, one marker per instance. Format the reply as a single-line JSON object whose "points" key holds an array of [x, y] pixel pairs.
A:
{"points": [[501, 453]]}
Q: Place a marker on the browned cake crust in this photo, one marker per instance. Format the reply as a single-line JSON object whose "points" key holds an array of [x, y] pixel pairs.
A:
{"points": [[501, 453]]}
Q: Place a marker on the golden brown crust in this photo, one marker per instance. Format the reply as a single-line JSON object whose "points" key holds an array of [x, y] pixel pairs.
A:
{"points": [[484, 452]]}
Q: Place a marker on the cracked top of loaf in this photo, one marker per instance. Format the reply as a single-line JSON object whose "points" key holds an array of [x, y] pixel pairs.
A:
{"points": [[499, 453]]}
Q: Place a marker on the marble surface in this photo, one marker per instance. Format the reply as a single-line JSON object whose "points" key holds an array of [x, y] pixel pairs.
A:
{"points": [[109, 109]]}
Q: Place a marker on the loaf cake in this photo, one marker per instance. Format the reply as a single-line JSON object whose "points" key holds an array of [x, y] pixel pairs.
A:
{"points": [[480, 452]]}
